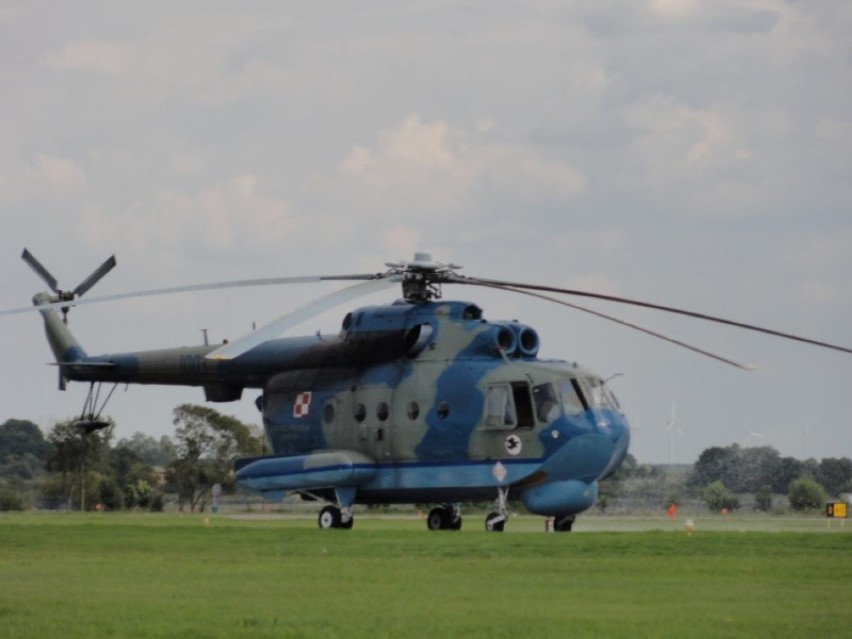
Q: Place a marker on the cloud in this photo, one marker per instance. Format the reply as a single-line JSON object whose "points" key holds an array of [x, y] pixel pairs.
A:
{"points": [[436, 169], [674, 8], [670, 129], [227, 217], [98, 56], [402, 242], [44, 173]]}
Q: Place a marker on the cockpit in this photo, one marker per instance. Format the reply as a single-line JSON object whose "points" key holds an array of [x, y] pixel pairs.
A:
{"points": [[572, 397]]}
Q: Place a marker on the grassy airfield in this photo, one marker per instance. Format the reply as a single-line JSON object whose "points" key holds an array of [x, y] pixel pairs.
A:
{"points": [[119, 575]]}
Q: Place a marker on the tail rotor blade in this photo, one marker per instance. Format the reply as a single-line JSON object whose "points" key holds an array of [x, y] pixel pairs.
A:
{"points": [[42, 272], [95, 277]]}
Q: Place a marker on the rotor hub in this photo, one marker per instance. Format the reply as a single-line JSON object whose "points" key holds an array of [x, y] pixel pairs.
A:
{"points": [[422, 277]]}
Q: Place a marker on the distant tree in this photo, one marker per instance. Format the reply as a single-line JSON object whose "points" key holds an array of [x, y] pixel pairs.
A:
{"points": [[760, 466], [22, 450], [806, 494], [10, 499], [22, 437], [718, 497], [810, 467], [149, 450], [763, 498], [139, 494], [791, 468], [715, 464], [207, 445], [137, 481], [835, 475], [75, 458]]}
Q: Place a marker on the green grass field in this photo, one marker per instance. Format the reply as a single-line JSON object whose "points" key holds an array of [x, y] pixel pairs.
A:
{"points": [[71, 575]]}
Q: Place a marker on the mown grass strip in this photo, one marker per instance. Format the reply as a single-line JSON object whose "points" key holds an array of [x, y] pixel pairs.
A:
{"points": [[168, 576]]}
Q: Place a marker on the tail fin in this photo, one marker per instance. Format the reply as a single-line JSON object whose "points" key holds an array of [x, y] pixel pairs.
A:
{"points": [[66, 349]]}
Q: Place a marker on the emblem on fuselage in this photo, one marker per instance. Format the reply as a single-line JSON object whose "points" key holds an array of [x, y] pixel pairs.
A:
{"points": [[302, 405], [513, 445]]}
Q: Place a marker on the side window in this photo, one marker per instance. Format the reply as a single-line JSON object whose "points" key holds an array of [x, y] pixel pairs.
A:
{"points": [[523, 404], [508, 406], [499, 408]]}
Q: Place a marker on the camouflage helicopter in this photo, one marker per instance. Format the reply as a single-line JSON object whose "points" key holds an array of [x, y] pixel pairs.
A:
{"points": [[419, 401]]}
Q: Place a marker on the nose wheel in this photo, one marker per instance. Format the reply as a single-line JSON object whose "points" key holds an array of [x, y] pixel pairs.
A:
{"points": [[495, 521], [564, 523]]}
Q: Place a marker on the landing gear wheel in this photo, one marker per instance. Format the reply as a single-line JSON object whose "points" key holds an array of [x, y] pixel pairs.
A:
{"points": [[494, 522], [444, 518], [437, 519], [329, 517], [564, 524]]}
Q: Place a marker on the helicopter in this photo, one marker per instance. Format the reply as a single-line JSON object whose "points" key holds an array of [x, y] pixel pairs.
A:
{"points": [[421, 400]]}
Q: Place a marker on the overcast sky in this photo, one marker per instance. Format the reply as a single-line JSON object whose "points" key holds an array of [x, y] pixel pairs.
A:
{"points": [[696, 154]]}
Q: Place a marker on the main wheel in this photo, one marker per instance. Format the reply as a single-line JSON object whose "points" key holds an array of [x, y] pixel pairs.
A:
{"points": [[329, 517], [437, 519], [494, 522]]}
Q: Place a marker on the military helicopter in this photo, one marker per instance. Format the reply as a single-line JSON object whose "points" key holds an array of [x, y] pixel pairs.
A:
{"points": [[418, 401]]}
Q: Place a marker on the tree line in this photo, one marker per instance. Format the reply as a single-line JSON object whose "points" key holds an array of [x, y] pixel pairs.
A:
{"points": [[69, 468], [724, 477]]}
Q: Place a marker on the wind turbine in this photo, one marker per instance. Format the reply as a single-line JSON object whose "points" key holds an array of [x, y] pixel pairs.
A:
{"points": [[670, 429]]}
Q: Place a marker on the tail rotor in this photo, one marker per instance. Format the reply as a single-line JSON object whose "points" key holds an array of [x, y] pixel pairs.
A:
{"points": [[78, 291]]}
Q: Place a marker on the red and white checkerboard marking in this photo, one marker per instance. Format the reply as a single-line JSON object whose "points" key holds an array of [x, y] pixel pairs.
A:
{"points": [[302, 405]]}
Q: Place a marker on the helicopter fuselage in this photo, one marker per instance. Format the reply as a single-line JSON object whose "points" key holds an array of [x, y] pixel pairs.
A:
{"points": [[410, 403]]}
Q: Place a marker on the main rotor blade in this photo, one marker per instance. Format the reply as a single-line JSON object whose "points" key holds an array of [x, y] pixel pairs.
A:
{"points": [[42, 272], [696, 349], [285, 322], [475, 281], [269, 281], [95, 277]]}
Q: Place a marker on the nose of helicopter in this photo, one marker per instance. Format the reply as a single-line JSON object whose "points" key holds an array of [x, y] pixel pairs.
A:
{"points": [[593, 452], [615, 427]]}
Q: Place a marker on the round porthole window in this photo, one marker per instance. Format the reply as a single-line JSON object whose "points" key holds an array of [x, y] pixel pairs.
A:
{"points": [[382, 411], [360, 412], [413, 411], [443, 410]]}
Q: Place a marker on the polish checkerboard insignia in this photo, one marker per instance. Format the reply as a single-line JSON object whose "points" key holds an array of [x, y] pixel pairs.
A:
{"points": [[302, 405]]}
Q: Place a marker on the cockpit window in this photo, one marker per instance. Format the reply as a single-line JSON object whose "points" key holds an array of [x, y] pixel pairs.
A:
{"points": [[594, 392], [546, 402], [599, 395], [573, 402]]}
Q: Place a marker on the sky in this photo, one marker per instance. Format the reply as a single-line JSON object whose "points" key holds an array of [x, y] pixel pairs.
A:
{"points": [[695, 154]]}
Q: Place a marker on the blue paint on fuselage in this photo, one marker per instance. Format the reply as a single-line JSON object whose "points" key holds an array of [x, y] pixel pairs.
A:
{"points": [[457, 409]]}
